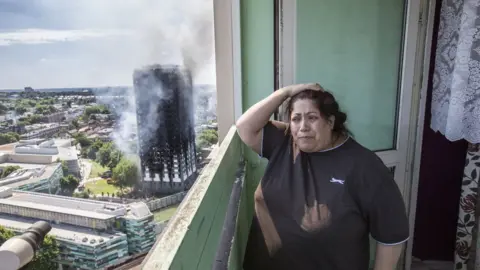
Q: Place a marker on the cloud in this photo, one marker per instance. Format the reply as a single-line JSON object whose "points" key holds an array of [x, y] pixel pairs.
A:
{"points": [[100, 43], [42, 36]]}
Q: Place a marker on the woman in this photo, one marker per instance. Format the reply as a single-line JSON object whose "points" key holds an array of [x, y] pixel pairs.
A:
{"points": [[322, 193]]}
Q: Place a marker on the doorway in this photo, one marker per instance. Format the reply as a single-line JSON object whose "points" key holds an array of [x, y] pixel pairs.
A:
{"points": [[367, 54], [439, 187]]}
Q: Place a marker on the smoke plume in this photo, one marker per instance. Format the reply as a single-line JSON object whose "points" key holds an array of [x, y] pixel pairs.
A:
{"points": [[178, 32]]}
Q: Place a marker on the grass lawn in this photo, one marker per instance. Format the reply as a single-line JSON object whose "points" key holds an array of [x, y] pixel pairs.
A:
{"points": [[96, 169], [99, 186], [165, 213]]}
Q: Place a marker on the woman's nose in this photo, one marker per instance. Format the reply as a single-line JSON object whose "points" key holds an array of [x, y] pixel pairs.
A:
{"points": [[303, 125]]}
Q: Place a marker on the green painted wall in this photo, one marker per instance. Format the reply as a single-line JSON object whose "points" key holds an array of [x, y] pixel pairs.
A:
{"points": [[353, 48], [257, 37]]}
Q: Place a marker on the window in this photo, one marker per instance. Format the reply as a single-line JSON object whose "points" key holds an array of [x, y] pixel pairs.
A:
{"points": [[353, 49]]}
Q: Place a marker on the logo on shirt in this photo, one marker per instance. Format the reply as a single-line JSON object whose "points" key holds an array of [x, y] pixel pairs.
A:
{"points": [[338, 181]]}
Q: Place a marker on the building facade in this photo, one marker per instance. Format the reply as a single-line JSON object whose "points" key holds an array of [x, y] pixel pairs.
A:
{"points": [[165, 123], [43, 131], [91, 234], [35, 178]]}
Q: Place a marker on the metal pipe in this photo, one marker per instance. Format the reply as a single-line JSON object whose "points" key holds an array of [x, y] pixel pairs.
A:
{"points": [[18, 251]]}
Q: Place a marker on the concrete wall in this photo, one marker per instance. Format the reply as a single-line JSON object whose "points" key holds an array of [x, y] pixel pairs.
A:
{"points": [[3, 157], [166, 201], [160, 226], [35, 159]]}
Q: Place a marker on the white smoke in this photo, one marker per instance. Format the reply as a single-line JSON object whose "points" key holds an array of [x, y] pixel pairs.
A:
{"points": [[176, 32]]}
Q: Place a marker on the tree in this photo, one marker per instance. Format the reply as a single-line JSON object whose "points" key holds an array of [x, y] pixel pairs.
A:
{"points": [[5, 234], [3, 109], [32, 119], [207, 138], [83, 194], [82, 139], [46, 258], [64, 168], [109, 156], [20, 109], [104, 154], [115, 157], [69, 182], [125, 174], [8, 170], [75, 124], [97, 144], [97, 109], [9, 137]]}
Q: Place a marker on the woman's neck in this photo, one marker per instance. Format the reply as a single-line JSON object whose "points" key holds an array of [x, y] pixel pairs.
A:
{"points": [[336, 139]]}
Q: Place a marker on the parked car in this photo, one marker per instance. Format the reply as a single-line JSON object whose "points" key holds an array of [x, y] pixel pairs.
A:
{"points": [[106, 174]]}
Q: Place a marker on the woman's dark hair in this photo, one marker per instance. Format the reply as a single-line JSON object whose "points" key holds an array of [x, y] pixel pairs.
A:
{"points": [[326, 104]]}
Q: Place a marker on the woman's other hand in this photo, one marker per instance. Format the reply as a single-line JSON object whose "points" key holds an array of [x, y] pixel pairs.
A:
{"points": [[294, 89]]}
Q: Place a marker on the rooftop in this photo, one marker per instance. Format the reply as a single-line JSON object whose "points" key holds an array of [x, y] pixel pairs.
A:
{"points": [[8, 148], [64, 205], [33, 127], [138, 210], [30, 173], [59, 148], [62, 232], [74, 206]]}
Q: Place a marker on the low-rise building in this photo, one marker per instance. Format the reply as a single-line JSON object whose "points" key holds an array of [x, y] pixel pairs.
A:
{"points": [[56, 117], [38, 131], [41, 151], [33, 177], [91, 234]]}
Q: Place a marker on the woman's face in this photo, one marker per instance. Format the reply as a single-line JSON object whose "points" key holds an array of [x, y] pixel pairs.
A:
{"points": [[310, 131]]}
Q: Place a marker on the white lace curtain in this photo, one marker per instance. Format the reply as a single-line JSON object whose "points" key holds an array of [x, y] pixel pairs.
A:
{"points": [[456, 81]]}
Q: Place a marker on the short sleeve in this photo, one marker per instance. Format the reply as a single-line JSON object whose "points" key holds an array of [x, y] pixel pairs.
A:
{"points": [[383, 204], [272, 138]]}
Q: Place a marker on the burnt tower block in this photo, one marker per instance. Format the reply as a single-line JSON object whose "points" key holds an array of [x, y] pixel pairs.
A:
{"points": [[165, 126]]}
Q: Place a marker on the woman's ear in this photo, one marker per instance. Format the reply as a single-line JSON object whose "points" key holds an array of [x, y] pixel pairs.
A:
{"points": [[331, 121]]}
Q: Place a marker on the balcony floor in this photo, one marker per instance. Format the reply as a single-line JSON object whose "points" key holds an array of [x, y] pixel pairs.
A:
{"points": [[431, 265]]}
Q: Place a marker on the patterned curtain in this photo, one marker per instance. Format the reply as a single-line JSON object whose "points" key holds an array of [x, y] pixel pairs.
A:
{"points": [[456, 111], [468, 242], [456, 80]]}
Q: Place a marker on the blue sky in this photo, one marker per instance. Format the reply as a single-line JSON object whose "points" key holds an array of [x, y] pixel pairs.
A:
{"points": [[59, 43]]}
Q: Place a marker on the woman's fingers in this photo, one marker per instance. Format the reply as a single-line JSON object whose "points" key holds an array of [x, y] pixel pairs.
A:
{"points": [[315, 86]]}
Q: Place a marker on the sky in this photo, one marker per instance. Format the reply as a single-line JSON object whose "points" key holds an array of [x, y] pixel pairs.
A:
{"points": [[94, 43]]}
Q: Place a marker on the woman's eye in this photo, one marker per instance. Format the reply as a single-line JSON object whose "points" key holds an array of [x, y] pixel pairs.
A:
{"points": [[296, 119], [312, 118]]}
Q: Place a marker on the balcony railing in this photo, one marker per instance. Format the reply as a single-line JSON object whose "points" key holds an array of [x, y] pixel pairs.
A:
{"points": [[210, 228]]}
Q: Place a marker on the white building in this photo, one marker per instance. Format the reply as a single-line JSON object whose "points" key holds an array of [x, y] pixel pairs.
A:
{"points": [[44, 152]]}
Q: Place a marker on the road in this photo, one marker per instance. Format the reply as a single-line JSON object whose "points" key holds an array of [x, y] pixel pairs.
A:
{"points": [[86, 168]]}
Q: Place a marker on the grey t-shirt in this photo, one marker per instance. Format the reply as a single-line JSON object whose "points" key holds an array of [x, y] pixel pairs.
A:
{"points": [[323, 206]]}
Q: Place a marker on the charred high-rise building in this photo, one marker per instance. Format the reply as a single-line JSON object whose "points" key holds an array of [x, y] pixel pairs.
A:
{"points": [[165, 126]]}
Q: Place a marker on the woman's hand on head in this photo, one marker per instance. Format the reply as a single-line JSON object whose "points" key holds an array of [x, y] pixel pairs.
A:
{"points": [[294, 89]]}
